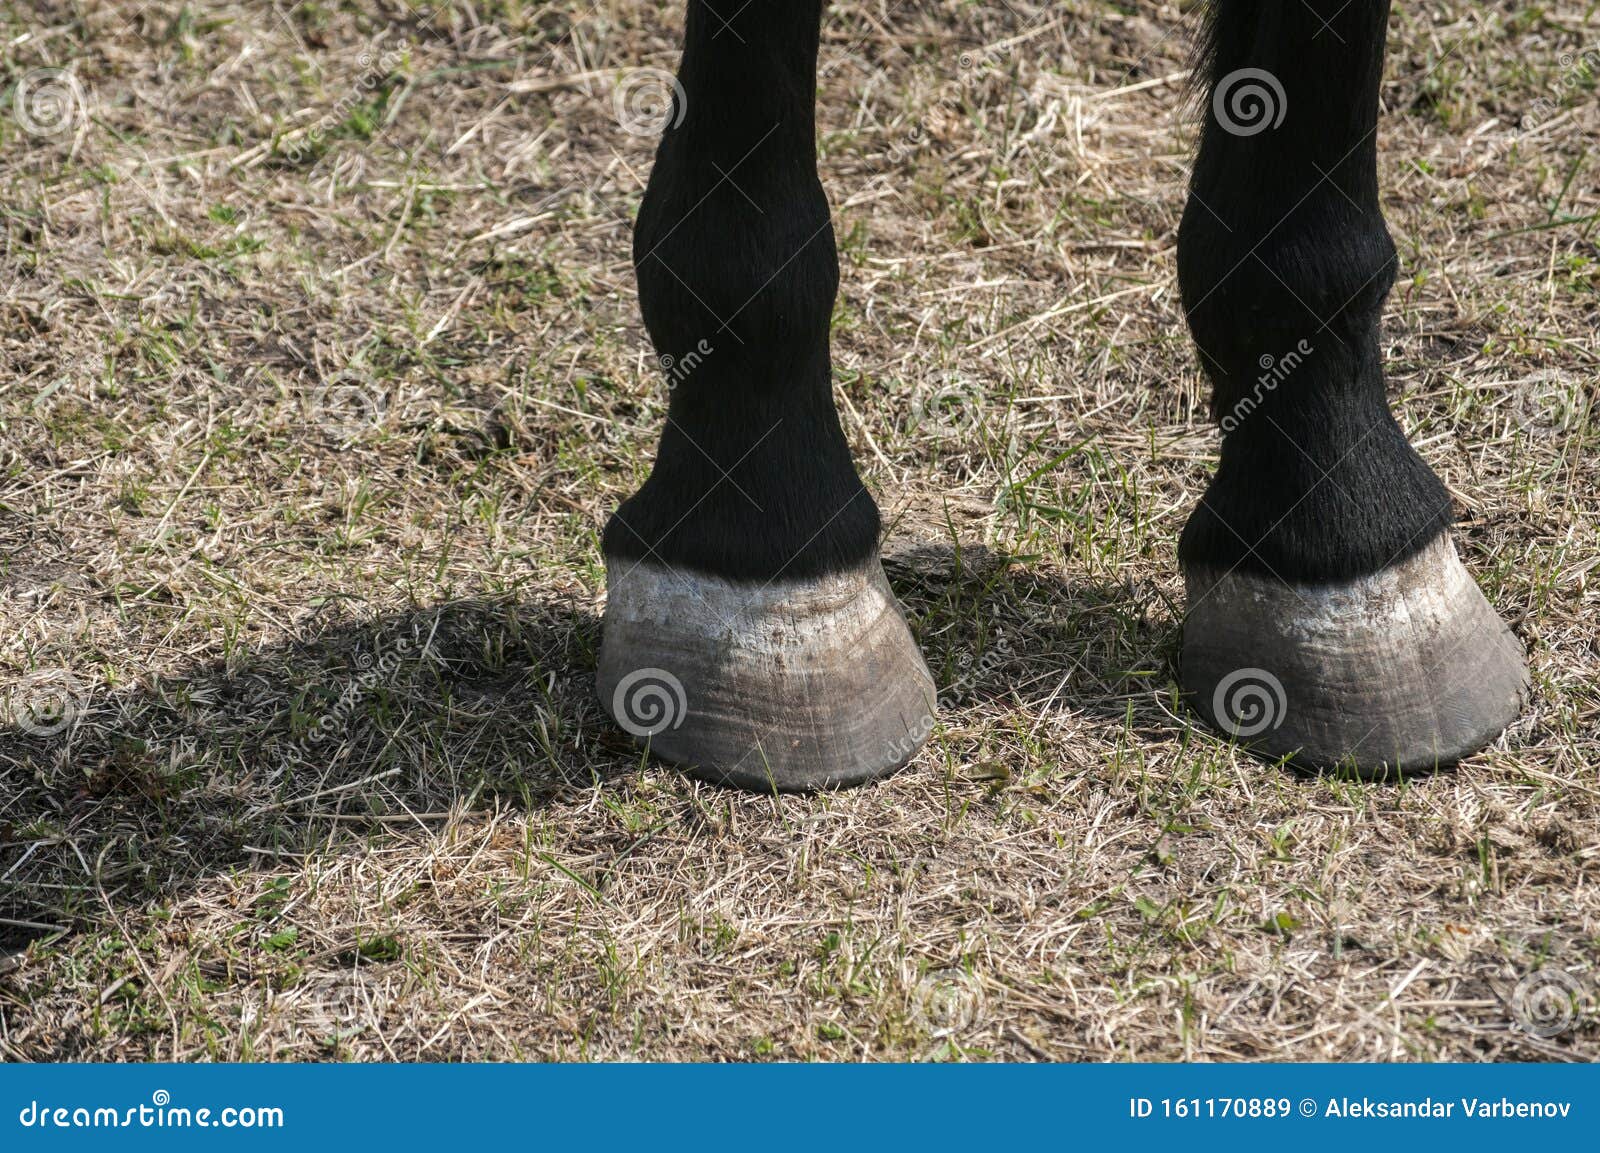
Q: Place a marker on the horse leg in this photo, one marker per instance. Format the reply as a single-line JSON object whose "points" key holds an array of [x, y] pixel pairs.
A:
{"points": [[750, 635], [1329, 616]]}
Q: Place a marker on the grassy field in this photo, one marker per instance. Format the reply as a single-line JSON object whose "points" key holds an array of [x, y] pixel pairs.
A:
{"points": [[320, 369]]}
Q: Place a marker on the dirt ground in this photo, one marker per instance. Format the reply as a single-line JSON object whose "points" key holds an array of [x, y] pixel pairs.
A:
{"points": [[320, 369]]}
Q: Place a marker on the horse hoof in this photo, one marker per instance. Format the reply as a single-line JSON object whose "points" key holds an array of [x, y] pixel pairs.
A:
{"points": [[1407, 669], [792, 686]]}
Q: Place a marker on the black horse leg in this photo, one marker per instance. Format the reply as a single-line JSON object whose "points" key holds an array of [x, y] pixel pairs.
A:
{"points": [[1329, 616], [749, 633]]}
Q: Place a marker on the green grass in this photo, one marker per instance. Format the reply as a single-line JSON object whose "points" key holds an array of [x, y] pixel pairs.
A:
{"points": [[474, 864]]}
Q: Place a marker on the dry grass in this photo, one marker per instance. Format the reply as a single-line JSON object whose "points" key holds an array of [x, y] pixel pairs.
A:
{"points": [[209, 549]]}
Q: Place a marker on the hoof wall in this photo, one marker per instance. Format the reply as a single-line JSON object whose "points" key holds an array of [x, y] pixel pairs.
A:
{"points": [[791, 687], [1405, 670]]}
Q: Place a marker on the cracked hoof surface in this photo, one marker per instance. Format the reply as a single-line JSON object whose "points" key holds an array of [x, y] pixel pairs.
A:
{"points": [[1407, 669], [790, 687]]}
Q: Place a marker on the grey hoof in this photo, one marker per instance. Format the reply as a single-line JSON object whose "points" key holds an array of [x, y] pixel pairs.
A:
{"points": [[788, 687], [1407, 669]]}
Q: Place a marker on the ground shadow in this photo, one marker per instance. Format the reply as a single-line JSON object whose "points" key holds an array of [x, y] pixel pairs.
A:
{"points": [[1025, 635], [999, 630], [118, 796]]}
